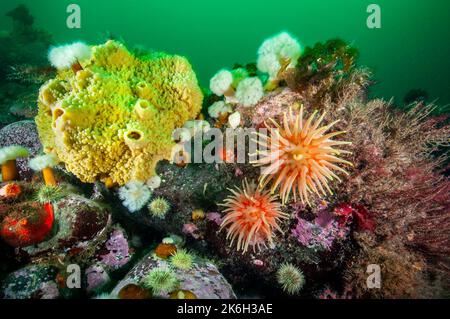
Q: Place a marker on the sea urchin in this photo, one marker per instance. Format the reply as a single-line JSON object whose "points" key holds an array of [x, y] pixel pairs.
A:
{"points": [[50, 193], [159, 207], [299, 156], [252, 216], [161, 280], [290, 278], [181, 259]]}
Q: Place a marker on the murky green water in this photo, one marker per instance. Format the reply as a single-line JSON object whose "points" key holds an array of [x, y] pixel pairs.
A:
{"points": [[411, 50]]}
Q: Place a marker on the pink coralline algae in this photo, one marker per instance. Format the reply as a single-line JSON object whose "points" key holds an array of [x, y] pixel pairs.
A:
{"points": [[191, 229], [96, 277], [214, 217], [258, 262], [238, 172], [49, 290], [119, 251], [271, 106], [319, 234], [328, 293]]}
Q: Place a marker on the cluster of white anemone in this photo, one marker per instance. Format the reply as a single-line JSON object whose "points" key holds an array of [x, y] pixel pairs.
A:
{"points": [[275, 55], [236, 87], [281, 50], [135, 194]]}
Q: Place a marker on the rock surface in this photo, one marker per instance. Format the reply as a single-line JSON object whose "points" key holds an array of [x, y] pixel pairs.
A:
{"points": [[23, 133], [31, 282], [203, 279], [80, 224]]}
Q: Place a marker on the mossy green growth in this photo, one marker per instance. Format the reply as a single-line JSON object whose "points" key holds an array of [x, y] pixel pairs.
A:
{"points": [[332, 56], [112, 121], [182, 260]]}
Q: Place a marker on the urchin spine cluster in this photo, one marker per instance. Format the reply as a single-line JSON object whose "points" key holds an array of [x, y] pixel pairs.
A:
{"points": [[161, 280], [290, 278], [159, 207]]}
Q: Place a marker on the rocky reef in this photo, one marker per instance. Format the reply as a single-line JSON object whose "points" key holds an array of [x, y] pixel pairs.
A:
{"points": [[101, 199]]}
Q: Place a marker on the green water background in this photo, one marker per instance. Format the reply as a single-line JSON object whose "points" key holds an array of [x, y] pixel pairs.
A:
{"points": [[411, 50]]}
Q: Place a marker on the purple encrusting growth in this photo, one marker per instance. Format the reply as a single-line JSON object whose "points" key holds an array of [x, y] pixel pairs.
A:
{"points": [[96, 277], [319, 234], [214, 217], [36, 281], [119, 251]]}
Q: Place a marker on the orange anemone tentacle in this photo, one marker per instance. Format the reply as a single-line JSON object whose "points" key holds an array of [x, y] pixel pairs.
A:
{"points": [[299, 157], [252, 216]]}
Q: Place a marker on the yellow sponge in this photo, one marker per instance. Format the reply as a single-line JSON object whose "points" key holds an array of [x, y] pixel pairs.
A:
{"points": [[113, 120]]}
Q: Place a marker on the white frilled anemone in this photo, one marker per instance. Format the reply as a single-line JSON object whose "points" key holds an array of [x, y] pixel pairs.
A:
{"points": [[225, 82], [69, 55], [221, 82], [41, 162], [154, 182], [219, 108], [134, 195], [45, 164], [249, 91], [277, 54], [8, 155], [234, 120]]}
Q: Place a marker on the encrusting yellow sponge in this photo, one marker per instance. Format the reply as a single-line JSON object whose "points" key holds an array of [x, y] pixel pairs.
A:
{"points": [[112, 121]]}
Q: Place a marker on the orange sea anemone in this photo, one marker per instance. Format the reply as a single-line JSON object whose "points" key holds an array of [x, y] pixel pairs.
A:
{"points": [[252, 217], [165, 250], [10, 190], [299, 156]]}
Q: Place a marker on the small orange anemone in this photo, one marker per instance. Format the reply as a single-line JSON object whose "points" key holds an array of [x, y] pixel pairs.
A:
{"points": [[165, 250], [10, 190], [299, 156], [182, 294], [133, 291], [252, 217]]}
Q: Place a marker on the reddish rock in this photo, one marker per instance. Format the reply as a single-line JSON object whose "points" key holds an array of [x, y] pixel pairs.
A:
{"points": [[27, 224]]}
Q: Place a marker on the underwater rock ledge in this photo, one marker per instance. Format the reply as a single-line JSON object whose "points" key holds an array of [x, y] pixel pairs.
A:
{"points": [[345, 182]]}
